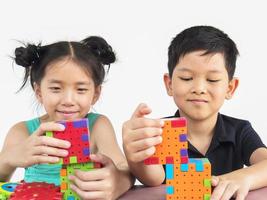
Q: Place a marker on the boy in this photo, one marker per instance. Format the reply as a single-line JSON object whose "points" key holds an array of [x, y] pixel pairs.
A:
{"points": [[201, 65]]}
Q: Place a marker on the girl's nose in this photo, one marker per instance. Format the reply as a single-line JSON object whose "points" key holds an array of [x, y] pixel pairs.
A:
{"points": [[68, 98]]}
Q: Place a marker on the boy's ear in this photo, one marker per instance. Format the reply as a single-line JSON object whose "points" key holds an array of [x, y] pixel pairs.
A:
{"points": [[37, 91], [97, 94], [233, 84], [168, 83]]}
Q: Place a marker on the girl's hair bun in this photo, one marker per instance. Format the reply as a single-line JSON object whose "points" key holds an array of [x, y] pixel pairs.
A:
{"points": [[101, 49], [26, 56]]}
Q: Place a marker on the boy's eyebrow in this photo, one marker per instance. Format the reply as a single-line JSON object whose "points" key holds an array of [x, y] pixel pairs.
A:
{"points": [[183, 69]]}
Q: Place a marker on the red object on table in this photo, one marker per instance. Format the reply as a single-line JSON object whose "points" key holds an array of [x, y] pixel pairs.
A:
{"points": [[36, 191]]}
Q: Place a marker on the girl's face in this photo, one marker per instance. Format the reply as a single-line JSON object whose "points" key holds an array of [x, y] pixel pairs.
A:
{"points": [[66, 91], [200, 84]]}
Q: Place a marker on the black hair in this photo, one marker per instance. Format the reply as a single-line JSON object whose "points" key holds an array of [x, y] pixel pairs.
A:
{"points": [[92, 53], [207, 38]]}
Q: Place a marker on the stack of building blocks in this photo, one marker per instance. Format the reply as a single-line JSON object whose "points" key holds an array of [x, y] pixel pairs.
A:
{"points": [[186, 178], [6, 189], [36, 191], [77, 133]]}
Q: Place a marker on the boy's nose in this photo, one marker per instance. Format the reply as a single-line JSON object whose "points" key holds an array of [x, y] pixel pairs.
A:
{"points": [[199, 87]]}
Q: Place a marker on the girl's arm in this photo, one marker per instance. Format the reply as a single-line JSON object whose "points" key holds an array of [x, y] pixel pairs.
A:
{"points": [[105, 139], [15, 135]]}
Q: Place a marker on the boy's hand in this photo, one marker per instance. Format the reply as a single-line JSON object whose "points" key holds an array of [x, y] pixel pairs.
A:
{"points": [[38, 148], [230, 185], [97, 184], [140, 135]]}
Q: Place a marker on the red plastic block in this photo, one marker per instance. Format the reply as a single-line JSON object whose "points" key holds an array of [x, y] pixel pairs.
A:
{"points": [[77, 133], [36, 191]]}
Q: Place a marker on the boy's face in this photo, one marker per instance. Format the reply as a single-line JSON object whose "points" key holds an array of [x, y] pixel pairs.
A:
{"points": [[200, 84], [66, 91]]}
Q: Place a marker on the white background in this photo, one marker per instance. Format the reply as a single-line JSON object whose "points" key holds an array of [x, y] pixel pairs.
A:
{"points": [[140, 32]]}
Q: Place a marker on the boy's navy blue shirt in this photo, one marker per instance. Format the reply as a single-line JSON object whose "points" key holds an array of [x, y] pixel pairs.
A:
{"points": [[232, 144]]}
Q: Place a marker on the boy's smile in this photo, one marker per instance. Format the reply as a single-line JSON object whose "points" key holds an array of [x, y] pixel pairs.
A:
{"points": [[200, 84]]}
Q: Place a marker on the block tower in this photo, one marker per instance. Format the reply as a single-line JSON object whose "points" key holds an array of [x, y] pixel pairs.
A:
{"points": [[77, 133], [186, 178]]}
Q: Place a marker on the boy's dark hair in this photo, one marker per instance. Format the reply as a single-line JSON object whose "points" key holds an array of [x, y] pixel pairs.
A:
{"points": [[207, 38], [92, 53]]}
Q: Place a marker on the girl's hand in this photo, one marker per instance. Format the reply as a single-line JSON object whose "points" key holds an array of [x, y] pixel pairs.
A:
{"points": [[100, 183], [140, 135], [38, 148], [230, 185]]}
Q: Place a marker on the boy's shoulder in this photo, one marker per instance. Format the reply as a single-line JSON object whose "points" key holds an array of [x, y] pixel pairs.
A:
{"points": [[233, 122]]}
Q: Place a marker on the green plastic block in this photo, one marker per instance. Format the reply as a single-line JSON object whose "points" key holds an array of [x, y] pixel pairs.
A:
{"points": [[73, 159], [207, 183], [49, 133], [206, 197]]}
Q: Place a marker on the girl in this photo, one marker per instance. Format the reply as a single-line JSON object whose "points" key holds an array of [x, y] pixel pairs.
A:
{"points": [[66, 78]]}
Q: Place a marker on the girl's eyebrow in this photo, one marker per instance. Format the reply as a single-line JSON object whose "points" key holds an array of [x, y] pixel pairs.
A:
{"points": [[77, 83]]}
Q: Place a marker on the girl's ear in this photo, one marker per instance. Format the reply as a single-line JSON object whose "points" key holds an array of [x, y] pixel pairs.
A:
{"points": [[233, 84], [168, 84], [97, 94], [37, 91]]}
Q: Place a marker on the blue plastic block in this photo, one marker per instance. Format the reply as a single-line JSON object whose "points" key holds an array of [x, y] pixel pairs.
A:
{"points": [[183, 152], [184, 167], [169, 171], [169, 190], [183, 137]]}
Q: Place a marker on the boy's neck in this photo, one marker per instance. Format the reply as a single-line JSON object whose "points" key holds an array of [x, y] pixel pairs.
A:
{"points": [[201, 128]]}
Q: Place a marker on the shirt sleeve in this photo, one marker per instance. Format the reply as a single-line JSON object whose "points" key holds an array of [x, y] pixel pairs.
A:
{"points": [[250, 142]]}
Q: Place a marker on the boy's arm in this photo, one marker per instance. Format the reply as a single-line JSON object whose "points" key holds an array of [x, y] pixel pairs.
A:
{"points": [[241, 181], [140, 135], [151, 175]]}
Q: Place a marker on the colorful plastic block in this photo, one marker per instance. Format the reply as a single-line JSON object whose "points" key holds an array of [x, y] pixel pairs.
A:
{"points": [[77, 133], [173, 135], [6, 189], [185, 178], [36, 191], [69, 170]]}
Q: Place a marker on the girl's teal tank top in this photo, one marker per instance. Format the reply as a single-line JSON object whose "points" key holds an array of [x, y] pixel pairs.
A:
{"points": [[47, 172]]}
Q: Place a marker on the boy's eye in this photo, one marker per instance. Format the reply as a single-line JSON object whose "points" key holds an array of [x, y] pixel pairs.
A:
{"points": [[82, 89], [213, 80], [186, 78]]}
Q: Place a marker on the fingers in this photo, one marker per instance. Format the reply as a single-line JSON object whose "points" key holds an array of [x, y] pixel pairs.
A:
{"points": [[214, 181], [53, 142], [143, 144], [144, 133], [51, 151], [141, 110], [43, 159], [141, 155], [100, 158], [49, 126], [88, 195], [92, 175], [219, 190]]}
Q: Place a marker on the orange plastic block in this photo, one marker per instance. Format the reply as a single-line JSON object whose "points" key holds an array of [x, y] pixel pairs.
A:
{"points": [[174, 144]]}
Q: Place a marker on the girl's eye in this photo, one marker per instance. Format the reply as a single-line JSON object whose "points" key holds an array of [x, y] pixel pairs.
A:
{"points": [[54, 88], [213, 80], [186, 78]]}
